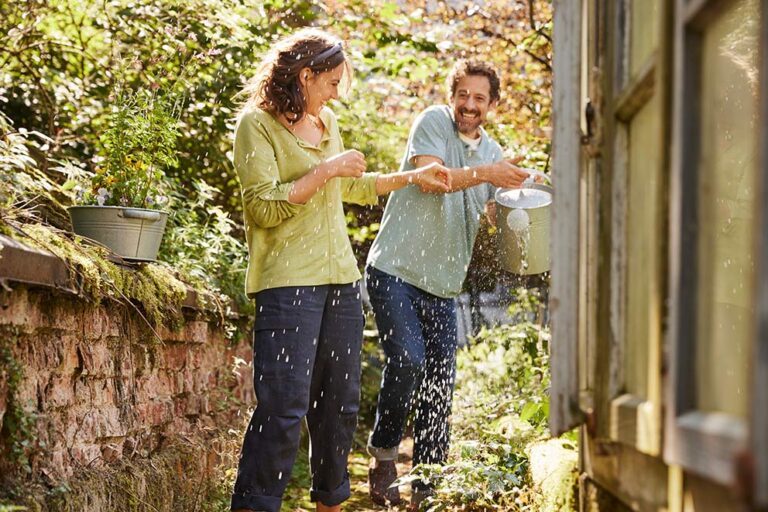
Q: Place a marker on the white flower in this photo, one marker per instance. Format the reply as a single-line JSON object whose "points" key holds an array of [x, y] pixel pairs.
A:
{"points": [[102, 196]]}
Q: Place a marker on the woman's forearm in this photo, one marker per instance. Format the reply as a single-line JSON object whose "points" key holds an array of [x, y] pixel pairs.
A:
{"points": [[308, 185], [386, 183]]}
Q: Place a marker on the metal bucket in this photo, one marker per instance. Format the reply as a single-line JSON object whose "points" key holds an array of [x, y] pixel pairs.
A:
{"points": [[132, 233], [523, 221]]}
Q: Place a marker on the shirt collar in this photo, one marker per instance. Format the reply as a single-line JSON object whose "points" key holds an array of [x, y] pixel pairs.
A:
{"points": [[326, 119]]}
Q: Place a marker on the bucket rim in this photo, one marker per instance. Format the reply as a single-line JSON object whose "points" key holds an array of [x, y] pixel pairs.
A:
{"points": [[105, 207], [534, 186]]}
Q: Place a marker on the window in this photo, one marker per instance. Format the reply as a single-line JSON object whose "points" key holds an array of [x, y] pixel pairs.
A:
{"points": [[714, 240]]}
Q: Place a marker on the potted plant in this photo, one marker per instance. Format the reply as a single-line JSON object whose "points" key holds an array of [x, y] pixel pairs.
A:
{"points": [[121, 207]]}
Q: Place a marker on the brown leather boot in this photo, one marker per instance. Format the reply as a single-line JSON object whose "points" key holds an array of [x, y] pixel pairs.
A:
{"points": [[381, 474]]}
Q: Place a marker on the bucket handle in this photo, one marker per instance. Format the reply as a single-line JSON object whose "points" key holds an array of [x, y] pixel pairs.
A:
{"points": [[139, 214], [533, 173]]}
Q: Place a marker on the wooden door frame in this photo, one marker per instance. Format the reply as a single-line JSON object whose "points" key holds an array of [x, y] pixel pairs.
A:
{"points": [[565, 412]]}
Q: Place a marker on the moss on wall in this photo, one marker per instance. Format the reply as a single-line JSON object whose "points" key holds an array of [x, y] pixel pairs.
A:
{"points": [[153, 286], [17, 424]]}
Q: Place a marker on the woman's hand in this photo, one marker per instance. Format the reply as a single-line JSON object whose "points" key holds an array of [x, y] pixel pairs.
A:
{"points": [[433, 178], [349, 164]]}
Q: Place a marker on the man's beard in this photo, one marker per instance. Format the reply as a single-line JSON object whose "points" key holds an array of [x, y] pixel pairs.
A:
{"points": [[468, 125]]}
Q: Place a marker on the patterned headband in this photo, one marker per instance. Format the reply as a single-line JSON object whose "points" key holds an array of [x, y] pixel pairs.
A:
{"points": [[327, 53]]}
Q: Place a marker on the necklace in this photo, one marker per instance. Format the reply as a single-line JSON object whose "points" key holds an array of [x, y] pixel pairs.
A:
{"points": [[315, 120]]}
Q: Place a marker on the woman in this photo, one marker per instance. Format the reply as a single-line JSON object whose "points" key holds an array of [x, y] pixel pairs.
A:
{"points": [[294, 174]]}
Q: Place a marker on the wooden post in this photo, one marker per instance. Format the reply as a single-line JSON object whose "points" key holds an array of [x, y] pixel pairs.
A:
{"points": [[566, 169]]}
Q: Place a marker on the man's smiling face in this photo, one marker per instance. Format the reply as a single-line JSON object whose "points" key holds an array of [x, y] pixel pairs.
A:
{"points": [[471, 103]]}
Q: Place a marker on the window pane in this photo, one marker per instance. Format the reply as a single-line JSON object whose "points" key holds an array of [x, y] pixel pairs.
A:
{"points": [[644, 242], [726, 219], [644, 34]]}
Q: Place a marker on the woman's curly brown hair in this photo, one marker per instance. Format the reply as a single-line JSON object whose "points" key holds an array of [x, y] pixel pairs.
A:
{"points": [[276, 89]]}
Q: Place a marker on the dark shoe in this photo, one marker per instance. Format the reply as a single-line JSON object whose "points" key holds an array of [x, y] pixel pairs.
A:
{"points": [[417, 497], [381, 475]]}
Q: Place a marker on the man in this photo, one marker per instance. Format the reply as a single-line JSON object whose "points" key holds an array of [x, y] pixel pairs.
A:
{"points": [[416, 268]]}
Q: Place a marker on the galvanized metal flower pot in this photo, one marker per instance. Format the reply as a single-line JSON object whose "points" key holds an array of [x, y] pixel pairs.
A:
{"points": [[132, 233], [523, 217]]}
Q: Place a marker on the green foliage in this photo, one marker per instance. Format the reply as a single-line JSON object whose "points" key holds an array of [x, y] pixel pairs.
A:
{"points": [[25, 190], [11, 508], [203, 244], [18, 425], [139, 144], [500, 409]]}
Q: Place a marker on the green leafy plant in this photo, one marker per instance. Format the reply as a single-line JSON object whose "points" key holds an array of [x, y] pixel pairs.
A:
{"points": [[16, 435], [138, 145], [204, 246]]}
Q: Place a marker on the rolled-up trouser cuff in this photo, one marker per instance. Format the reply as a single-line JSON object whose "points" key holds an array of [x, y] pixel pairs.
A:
{"points": [[381, 453], [257, 503], [332, 498]]}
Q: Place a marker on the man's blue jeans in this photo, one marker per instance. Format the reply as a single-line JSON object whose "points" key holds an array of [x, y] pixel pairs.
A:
{"points": [[306, 363], [419, 337]]}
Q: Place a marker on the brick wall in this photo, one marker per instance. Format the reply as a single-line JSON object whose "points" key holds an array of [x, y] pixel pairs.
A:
{"points": [[96, 385]]}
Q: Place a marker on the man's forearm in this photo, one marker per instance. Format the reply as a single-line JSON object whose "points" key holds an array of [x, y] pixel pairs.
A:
{"points": [[462, 177], [466, 177]]}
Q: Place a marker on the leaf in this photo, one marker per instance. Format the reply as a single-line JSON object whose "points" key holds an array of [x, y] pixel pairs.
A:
{"points": [[529, 411]]}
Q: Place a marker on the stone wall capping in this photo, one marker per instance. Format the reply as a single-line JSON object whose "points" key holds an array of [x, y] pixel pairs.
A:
{"points": [[24, 264], [21, 263]]}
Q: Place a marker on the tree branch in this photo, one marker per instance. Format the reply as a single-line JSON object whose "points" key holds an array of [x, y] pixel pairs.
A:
{"points": [[532, 21], [542, 60]]}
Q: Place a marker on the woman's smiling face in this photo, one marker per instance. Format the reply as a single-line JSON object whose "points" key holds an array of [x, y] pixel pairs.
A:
{"points": [[320, 88]]}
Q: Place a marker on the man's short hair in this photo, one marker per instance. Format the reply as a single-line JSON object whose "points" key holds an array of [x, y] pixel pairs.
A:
{"points": [[464, 68]]}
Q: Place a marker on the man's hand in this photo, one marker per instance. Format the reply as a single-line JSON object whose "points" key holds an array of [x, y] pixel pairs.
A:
{"points": [[506, 174], [432, 178]]}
